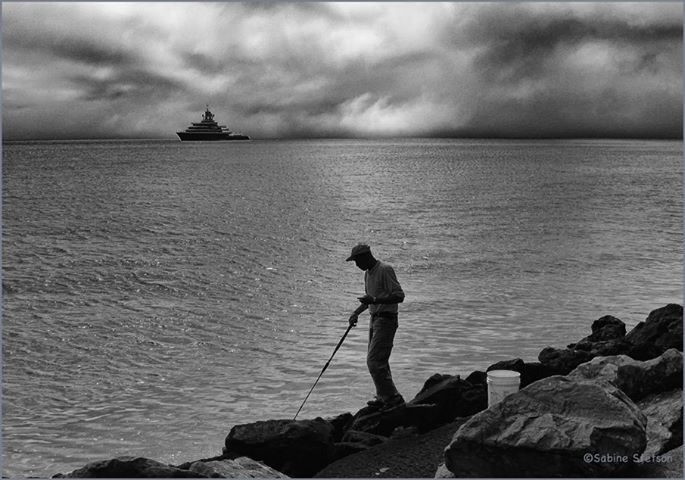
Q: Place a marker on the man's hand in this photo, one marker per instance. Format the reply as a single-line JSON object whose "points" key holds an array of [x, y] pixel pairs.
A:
{"points": [[353, 319], [367, 299]]}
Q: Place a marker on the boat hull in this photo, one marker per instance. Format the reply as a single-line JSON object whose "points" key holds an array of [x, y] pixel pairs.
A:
{"points": [[209, 136]]}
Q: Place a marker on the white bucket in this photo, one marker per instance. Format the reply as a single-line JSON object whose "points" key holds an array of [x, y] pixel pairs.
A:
{"points": [[502, 383]]}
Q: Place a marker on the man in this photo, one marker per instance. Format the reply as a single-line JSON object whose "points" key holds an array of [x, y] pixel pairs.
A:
{"points": [[383, 293]]}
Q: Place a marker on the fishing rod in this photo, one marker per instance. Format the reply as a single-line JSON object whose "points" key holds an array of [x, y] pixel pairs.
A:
{"points": [[324, 368]]}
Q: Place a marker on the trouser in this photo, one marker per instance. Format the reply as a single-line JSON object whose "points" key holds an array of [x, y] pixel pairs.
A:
{"points": [[381, 334]]}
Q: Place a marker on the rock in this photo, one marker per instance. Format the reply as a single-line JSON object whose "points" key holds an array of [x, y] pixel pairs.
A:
{"points": [[664, 412], [662, 330], [516, 365], [453, 397], [477, 378], [242, 467], [443, 472], [345, 449], [129, 467], [637, 379], [546, 430], [643, 351], [363, 438], [340, 425], [604, 348], [606, 328], [534, 371], [297, 448], [424, 417], [563, 361], [406, 457]]}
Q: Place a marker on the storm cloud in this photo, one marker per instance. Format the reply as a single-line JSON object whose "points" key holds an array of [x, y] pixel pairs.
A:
{"points": [[103, 70]]}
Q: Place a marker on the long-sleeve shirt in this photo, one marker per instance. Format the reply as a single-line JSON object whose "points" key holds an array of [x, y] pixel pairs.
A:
{"points": [[381, 281]]}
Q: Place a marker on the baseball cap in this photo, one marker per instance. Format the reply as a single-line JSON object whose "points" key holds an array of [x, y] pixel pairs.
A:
{"points": [[358, 250]]}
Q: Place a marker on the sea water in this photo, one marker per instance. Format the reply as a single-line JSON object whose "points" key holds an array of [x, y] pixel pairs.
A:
{"points": [[156, 293]]}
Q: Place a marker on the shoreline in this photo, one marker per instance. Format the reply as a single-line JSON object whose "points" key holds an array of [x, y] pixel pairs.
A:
{"points": [[347, 445]]}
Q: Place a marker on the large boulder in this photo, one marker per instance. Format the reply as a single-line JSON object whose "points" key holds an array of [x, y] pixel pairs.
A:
{"points": [[637, 379], [241, 467], [453, 397], [664, 412], [130, 467], [297, 448], [662, 330], [548, 429]]}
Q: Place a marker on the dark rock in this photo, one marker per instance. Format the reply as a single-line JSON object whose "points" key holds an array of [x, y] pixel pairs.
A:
{"points": [[515, 365], [546, 429], [129, 467], [344, 449], [424, 417], [405, 457], [663, 329], [664, 412], [606, 328], [297, 448], [604, 348], [643, 351], [340, 425], [434, 380], [477, 378], [454, 398], [563, 361], [637, 379], [534, 371], [363, 438], [242, 467]]}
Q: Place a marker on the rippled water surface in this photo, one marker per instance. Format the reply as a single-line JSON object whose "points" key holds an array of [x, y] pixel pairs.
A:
{"points": [[157, 293]]}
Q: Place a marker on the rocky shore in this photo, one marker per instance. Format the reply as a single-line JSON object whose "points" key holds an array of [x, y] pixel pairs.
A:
{"points": [[609, 405]]}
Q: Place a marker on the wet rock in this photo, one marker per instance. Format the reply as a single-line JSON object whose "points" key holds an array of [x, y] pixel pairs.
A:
{"points": [[662, 330], [546, 429], [664, 412], [637, 379], [242, 467], [129, 467], [297, 448], [563, 361], [453, 398]]}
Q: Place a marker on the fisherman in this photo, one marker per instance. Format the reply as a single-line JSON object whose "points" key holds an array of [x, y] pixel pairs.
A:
{"points": [[382, 294]]}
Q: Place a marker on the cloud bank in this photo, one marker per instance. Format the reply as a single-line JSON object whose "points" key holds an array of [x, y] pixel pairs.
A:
{"points": [[132, 70]]}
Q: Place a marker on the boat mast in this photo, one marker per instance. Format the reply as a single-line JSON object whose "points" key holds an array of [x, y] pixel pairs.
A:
{"points": [[208, 116]]}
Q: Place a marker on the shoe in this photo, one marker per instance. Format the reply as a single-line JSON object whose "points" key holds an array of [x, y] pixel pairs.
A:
{"points": [[392, 402], [376, 402]]}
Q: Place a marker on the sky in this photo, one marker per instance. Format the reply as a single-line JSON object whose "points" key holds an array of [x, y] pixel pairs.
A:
{"points": [[339, 70]]}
